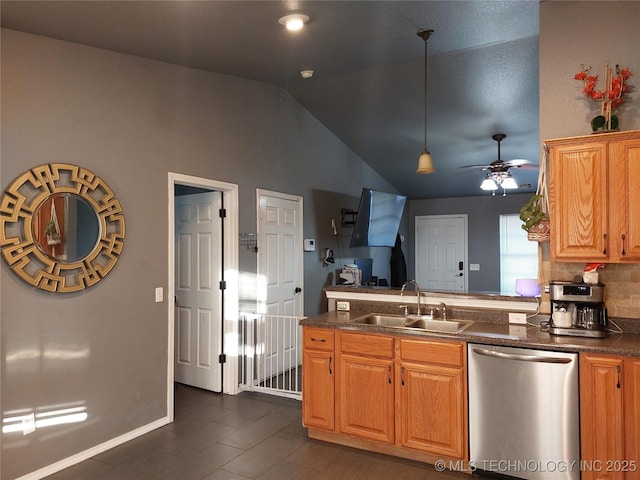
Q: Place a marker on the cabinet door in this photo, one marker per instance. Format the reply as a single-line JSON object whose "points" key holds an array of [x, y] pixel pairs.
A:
{"points": [[601, 416], [318, 389], [632, 416], [624, 199], [366, 407], [431, 408], [578, 201]]}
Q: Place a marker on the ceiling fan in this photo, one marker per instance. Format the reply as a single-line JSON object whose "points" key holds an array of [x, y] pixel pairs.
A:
{"points": [[498, 171]]}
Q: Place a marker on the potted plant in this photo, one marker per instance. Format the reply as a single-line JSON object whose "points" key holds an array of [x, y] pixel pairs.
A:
{"points": [[535, 220], [53, 237]]}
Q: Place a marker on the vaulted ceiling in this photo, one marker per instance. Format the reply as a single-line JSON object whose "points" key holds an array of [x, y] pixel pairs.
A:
{"points": [[369, 70]]}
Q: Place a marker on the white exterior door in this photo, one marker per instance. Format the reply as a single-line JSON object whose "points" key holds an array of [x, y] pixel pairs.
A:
{"points": [[441, 253], [198, 268], [279, 276]]}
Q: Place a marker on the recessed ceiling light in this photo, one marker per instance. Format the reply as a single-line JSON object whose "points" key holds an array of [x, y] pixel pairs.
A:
{"points": [[294, 22], [306, 73]]}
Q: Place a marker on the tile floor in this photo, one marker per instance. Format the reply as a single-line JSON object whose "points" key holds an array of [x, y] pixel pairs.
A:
{"points": [[247, 436]]}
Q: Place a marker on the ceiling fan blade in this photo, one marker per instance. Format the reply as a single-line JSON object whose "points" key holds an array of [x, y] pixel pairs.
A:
{"points": [[518, 161], [528, 166], [480, 167]]}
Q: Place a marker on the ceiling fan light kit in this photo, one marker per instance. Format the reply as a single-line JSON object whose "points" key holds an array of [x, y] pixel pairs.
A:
{"points": [[499, 175], [425, 162], [294, 22]]}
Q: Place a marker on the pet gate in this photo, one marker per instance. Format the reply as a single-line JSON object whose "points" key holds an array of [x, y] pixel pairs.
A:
{"points": [[271, 354]]}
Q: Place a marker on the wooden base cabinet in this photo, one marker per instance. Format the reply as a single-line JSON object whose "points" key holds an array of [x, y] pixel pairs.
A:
{"points": [[394, 395], [366, 407], [318, 378], [431, 393], [594, 197], [632, 414], [609, 401]]}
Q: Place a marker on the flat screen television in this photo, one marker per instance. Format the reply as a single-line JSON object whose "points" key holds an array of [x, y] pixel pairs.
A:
{"points": [[378, 219]]}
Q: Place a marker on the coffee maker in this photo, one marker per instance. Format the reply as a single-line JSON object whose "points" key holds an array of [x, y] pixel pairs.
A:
{"points": [[577, 309]]}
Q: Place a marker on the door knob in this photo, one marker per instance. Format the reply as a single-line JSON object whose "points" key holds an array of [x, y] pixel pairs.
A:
{"points": [[297, 290]]}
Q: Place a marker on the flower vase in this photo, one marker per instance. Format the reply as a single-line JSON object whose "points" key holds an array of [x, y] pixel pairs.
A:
{"points": [[600, 124]]}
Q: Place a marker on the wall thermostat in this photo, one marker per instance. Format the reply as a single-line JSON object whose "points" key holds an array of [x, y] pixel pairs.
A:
{"points": [[309, 245]]}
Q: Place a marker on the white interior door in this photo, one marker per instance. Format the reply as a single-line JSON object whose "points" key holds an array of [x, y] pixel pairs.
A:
{"points": [[441, 253], [198, 268], [280, 275]]}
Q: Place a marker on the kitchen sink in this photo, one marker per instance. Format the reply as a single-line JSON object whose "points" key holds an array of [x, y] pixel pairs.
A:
{"points": [[417, 322], [453, 326]]}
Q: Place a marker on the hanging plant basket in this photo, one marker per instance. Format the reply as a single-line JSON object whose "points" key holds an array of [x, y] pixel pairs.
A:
{"points": [[540, 232]]}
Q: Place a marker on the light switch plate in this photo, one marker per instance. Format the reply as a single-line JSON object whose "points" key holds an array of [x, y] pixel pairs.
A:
{"points": [[474, 267], [159, 294], [309, 245]]}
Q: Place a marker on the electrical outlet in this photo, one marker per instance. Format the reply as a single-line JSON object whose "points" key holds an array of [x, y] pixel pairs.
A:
{"points": [[517, 318], [343, 306], [474, 267], [518, 331]]}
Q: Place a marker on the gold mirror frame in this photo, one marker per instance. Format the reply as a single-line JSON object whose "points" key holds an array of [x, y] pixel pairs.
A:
{"points": [[23, 198]]}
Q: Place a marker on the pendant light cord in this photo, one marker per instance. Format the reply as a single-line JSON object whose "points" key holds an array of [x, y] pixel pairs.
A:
{"points": [[425, 93], [425, 34]]}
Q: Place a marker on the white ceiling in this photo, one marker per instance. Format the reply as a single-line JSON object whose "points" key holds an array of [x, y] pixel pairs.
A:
{"points": [[369, 69]]}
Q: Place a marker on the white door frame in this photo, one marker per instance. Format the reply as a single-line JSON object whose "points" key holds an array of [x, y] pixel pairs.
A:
{"points": [[295, 198], [230, 260]]}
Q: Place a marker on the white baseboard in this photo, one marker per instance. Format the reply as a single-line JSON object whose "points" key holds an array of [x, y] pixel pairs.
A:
{"points": [[93, 451]]}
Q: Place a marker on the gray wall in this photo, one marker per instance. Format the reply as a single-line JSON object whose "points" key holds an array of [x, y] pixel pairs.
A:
{"points": [[483, 232], [590, 33], [131, 121]]}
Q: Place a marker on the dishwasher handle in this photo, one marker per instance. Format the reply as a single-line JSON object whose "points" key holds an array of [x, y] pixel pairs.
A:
{"points": [[521, 357]]}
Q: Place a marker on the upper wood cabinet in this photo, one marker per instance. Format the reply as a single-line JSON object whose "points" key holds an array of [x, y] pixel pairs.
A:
{"points": [[594, 193]]}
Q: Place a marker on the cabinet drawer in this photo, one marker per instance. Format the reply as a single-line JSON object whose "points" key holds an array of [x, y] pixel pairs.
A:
{"points": [[427, 351], [363, 344], [318, 338]]}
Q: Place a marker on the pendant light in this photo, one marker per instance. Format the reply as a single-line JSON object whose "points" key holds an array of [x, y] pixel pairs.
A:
{"points": [[425, 162]]}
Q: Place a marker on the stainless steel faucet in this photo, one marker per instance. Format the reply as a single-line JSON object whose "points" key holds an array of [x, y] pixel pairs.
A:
{"points": [[417, 287], [443, 308]]}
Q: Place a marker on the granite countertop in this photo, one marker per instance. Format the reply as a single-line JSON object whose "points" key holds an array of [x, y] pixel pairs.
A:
{"points": [[493, 333]]}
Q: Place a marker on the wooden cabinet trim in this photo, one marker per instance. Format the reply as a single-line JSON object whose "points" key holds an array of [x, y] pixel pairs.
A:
{"points": [[318, 338], [430, 351], [367, 344]]}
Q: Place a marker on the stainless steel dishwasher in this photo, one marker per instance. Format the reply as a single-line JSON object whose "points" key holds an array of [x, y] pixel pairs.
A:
{"points": [[523, 412]]}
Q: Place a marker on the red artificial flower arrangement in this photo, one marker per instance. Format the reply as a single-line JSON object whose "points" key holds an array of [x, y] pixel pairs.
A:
{"points": [[610, 98]]}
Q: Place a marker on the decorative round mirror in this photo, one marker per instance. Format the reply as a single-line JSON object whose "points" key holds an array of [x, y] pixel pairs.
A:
{"points": [[61, 227]]}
